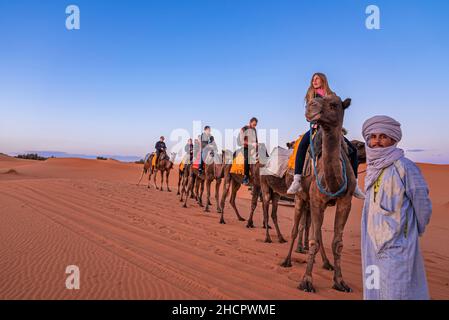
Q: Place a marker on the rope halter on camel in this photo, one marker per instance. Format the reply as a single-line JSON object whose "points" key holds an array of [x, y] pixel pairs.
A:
{"points": [[315, 170]]}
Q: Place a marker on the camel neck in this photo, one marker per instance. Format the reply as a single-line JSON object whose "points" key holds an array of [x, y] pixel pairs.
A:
{"points": [[331, 153]]}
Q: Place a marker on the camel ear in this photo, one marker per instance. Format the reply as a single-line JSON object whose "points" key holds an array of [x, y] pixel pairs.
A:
{"points": [[346, 103]]}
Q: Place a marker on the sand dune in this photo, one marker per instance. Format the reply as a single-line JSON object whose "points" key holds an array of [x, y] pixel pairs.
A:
{"points": [[131, 242]]}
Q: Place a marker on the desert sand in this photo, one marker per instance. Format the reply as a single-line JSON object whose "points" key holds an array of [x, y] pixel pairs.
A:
{"points": [[133, 243]]}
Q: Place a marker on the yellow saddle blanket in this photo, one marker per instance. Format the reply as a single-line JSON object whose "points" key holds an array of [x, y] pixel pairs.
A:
{"points": [[238, 164], [292, 160], [182, 165], [153, 161]]}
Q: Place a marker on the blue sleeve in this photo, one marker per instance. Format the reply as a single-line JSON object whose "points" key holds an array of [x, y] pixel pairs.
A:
{"points": [[418, 192]]}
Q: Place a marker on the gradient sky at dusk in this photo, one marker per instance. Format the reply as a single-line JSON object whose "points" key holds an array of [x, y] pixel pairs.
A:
{"points": [[139, 69]]}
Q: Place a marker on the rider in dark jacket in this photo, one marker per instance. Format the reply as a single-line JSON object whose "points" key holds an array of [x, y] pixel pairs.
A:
{"points": [[248, 139], [160, 147], [207, 144], [189, 149]]}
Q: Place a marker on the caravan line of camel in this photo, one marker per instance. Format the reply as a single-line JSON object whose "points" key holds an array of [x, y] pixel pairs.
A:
{"points": [[330, 181]]}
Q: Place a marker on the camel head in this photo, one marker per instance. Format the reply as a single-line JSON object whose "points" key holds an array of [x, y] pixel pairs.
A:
{"points": [[361, 151], [328, 111], [290, 145]]}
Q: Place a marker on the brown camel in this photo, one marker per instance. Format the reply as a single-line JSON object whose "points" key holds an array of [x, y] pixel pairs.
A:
{"points": [[195, 185], [146, 166], [361, 151], [184, 180], [214, 170], [332, 163], [236, 181], [181, 179], [164, 165], [272, 189]]}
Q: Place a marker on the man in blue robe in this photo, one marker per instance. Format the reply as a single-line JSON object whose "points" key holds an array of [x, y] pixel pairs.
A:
{"points": [[396, 212]]}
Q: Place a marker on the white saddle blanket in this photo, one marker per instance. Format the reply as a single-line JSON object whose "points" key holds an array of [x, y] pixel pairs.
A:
{"points": [[277, 164]]}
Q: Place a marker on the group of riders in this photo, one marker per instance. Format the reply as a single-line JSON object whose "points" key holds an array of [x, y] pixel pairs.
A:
{"points": [[396, 210], [248, 141]]}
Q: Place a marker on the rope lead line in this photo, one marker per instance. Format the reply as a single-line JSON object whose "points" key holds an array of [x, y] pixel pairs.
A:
{"points": [[318, 182]]}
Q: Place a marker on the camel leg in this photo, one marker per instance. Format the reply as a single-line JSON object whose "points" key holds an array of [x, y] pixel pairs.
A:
{"points": [[235, 188], [274, 216], [189, 188], [167, 175], [226, 187], [141, 177], [185, 183], [208, 183], [195, 188], [326, 263], [299, 211], [304, 227], [303, 239], [149, 179], [162, 180], [341, 217], [209, 180], [183, 187], [155, 180], [192, 192], [217, 193], [181, 174], [182, 192], [317, 214], [199, 192], [254, 199], [307, 229], [266, 194]]}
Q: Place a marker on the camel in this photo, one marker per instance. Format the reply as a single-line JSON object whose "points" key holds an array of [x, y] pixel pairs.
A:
{"points": [[273, 188], [184, 175], [183, 182], [361, 151], [236, 181], [164, 165], [332, 183], [214, 170], [146, 166], [195, 185], [181, 177]]}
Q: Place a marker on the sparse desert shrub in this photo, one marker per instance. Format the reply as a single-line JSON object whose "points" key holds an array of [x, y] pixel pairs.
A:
{"points": [[11, 171], [31, 156]]}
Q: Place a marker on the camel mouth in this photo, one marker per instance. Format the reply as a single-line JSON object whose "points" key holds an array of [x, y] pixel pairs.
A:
{"points": [[313, 117]]}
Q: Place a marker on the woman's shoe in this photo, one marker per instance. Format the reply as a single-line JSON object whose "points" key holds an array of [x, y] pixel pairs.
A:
{"points": [[296, 185]]}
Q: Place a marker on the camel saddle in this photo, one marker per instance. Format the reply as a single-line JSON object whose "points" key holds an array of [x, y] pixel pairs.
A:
{"points": [[318, 147]]}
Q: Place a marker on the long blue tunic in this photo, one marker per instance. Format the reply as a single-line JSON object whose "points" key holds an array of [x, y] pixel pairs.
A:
{"points": [[392, 221]]}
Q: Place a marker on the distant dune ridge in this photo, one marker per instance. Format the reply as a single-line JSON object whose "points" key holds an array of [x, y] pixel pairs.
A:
{"points": [[131, 242], [59, 154]]}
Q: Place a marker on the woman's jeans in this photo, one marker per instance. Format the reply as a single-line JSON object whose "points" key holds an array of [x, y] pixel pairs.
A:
{"points": [[302, 152]]}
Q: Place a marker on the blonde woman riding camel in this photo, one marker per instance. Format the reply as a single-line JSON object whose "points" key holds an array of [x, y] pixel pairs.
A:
{"points": [[319, 88]]}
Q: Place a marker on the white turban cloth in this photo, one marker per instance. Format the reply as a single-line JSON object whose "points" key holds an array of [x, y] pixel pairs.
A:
{"points": [[378, 159], [382, 124]]}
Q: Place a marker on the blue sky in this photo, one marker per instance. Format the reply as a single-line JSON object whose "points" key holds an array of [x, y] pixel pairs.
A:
{"points": [[139, 69]]}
